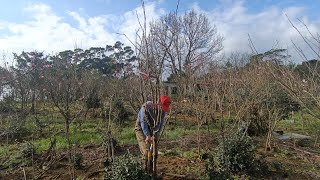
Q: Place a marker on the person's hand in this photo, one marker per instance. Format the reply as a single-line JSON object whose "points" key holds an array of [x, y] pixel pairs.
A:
{"points": [[148, 140]]}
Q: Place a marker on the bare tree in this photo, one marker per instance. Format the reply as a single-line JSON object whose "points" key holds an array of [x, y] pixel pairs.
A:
{"points": [[302, 82], [188, 42], [302, 86], [63, 86], [181, 43]]}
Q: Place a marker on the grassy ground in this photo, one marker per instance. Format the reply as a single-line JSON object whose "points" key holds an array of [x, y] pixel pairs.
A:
{"points": [[178, 147]]}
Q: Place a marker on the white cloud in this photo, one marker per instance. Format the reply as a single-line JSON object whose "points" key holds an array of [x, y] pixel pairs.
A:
{"points": [[47, 31], [267, 28], [131, 20], [82, 22]]}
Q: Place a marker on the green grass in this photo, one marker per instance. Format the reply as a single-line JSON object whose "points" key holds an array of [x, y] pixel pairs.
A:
{"points": [[181, 153], [180, 131], [89, 125], [307, 126], [177, 132], [10, 156], [79, 138], [7, 150], [86, 137], [126, 135]]}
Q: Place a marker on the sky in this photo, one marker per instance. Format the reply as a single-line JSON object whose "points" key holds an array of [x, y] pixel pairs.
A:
{"points": [[56, 25]]}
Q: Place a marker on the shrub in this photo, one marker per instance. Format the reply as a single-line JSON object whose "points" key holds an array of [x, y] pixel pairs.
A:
{"points": [[77, 160], [27, 150], [258, 119], [93, 100], [16, 128], [235, 155], [6, 104], [126, 167], [120, 112]]}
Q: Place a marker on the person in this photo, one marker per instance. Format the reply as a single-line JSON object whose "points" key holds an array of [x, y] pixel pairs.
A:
{"points": [[147, 116]]}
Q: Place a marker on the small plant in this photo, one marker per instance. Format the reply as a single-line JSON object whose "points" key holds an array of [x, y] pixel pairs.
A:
{"points": [[6, 107], [235, 155], [120, 112], [93, 101], [25, 156], [16, 128], [126, 168], [27, 150], [39, 125], [78, 159]]}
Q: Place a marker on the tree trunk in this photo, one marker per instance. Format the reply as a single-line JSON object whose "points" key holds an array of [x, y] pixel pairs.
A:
{"points": [[199, 124], [71, 168], [32, 110], [67, 126]]}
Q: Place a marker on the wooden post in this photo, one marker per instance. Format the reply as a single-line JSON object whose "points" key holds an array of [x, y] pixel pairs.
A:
{"points": [[155, 156]]}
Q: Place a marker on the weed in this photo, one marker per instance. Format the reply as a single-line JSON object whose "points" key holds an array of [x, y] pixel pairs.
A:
{"points": [[234, 155], [27, 150], [80, 138], [126, 167], [127, 136], [78, 159]]}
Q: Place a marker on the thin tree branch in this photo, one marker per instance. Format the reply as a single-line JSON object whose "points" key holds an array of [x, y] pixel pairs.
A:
{"points": [[252, 45], [300, 52], [304, 39]]}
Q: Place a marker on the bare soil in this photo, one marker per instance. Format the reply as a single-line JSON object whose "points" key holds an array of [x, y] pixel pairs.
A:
{"points": [[294, 164], [169, 167]]}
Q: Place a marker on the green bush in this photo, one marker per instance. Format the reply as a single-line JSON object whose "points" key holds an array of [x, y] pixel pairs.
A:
{"points": [[126, 168], [77, 160], [120, 112], [6, 104], [235, 155], [27, 150], [258, 118], [24, 157], [93, 101]]}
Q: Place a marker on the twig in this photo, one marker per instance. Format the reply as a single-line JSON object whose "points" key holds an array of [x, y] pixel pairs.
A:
{"points": [[49, 164], [300, 52], [165, 124], [317, 40], [304, 39], [252, 45], [301, 150], [53, 143], [127, 39], [57, 176], [94, 173], [178, 2], [24, 174]]}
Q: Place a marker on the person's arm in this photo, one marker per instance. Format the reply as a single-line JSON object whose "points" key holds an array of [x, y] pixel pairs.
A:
{"points": [[160, 124], [143, 122]]}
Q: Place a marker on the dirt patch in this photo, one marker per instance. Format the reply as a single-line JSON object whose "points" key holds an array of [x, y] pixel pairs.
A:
{"points": [[173, 167], [92, 162], [206, 142], [170, 167], [285, 162]]}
